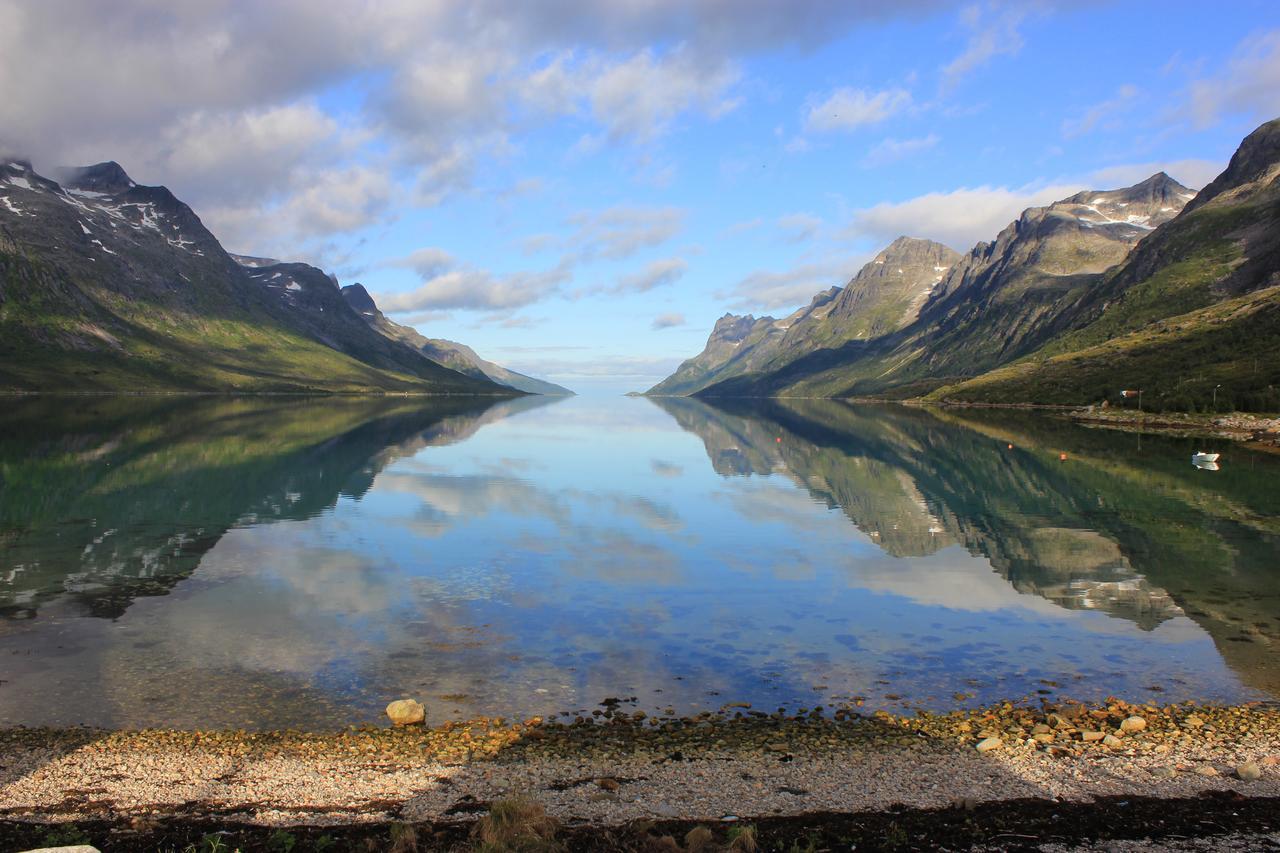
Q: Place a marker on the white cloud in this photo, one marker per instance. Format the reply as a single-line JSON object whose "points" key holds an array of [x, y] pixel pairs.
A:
{"points": [[640, 97], [1102, 113], [890, 150], [428, 263], [657, 274], [959, 218], [849, 109], [769, 290], [668, 321], [993, 31], [1193, 173], [1249, 85], [337, 201], [799, 227], [621, 231], [466, 288]]}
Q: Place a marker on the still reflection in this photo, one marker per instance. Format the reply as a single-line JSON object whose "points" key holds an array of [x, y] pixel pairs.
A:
{"points": [[271, 563]]}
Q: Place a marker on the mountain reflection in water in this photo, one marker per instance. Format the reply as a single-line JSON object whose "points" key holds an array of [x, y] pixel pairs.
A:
{"points": [[274, 562]]}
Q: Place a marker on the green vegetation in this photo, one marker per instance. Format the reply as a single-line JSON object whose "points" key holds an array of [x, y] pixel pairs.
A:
{"points": [[1178, 363]]}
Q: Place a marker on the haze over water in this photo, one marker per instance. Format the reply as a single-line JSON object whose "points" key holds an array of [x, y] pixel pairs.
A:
{"points": [[271, 563]]}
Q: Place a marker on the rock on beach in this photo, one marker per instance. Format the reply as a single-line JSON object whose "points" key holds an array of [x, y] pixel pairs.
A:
{"points": [[406, 712], [988, 744]]}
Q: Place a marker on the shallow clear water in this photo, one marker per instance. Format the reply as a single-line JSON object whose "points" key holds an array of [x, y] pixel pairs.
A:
{"points": [[269, 563]]}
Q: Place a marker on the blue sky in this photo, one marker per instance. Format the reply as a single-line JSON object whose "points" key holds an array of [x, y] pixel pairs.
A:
{"points": [[578, 190]]}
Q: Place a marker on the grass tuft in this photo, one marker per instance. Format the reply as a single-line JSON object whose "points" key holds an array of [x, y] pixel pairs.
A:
{"points": [[516, 826]]}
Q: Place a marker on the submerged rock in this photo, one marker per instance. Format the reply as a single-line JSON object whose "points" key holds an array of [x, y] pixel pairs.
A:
{"points": [[406, 712]]}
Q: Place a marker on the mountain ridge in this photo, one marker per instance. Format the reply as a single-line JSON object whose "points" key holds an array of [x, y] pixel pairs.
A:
{"points": [[451, 354], [884, 295], [107, 284]]}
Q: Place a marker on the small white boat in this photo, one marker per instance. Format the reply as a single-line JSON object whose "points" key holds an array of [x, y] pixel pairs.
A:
{"points": [[1204, 457], [1205, 466]]}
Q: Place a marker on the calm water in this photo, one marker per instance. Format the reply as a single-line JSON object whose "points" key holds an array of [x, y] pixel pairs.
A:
{"points": [[272, 563]]}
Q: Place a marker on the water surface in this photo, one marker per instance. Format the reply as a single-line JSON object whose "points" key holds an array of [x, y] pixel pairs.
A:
{"points": [[270, 563]]}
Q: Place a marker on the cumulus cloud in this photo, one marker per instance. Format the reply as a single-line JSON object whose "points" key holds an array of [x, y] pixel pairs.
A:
{"points": [[621, 231], [849, 109], [219, 103], [668, 321], [640, 97], [959, 218], [1248, 85], [1193, 173], [333, 201], [1103, 113], [890, 150], [450, 286], [428, 263], [769, 290], [993, 31], [656, 274], [799, 227]]}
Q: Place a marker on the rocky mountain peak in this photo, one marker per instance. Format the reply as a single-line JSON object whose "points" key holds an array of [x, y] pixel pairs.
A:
{"points": [[916, 250], [106, 177], [359, 299], [1257, 160]]}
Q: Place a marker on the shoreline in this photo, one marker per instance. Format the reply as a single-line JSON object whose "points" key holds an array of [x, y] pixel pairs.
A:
{"points": [[710, 769]]}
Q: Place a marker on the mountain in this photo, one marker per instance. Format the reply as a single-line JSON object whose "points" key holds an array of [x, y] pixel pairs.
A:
{"points": [[1196, 305], [109, 285], [451, 354], [885, 295], [1003, 300]]}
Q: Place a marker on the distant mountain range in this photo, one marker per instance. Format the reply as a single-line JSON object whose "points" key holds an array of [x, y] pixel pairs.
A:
{"points": [[451, 354], [1150, 287], [106, 285]]}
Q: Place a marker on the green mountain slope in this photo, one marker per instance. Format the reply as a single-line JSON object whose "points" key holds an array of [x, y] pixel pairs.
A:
{"points": [[107, 285], [451, 354], [1196, 305], [1001, 301]]}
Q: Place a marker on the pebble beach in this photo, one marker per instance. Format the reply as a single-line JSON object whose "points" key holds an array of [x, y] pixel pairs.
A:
{"points": [[610, 770]]}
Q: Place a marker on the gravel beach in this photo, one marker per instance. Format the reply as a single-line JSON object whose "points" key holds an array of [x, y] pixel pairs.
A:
{"points": [[712, 768]]}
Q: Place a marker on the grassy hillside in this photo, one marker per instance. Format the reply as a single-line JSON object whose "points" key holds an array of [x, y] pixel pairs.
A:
{"points": [[1195, 306]]}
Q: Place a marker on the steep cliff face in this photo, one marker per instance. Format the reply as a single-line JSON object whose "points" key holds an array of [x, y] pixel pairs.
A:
{"points": [[885, 295], [999, 302], [1195, 306], [730, 335]]}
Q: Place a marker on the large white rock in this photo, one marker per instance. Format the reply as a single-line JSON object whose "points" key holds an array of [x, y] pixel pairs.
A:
{"points": [[406, 712]]}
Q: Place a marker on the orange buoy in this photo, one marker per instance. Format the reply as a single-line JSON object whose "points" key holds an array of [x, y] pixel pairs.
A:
{"points": [[1011, 447], [1062, 457], [779, 440]]}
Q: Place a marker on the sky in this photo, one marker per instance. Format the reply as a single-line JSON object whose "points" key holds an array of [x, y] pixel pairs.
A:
{"points": [[579, 189]]}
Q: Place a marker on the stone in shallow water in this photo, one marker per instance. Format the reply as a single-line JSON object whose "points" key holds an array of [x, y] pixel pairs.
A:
{"points": [[406, 712], [988, 744]]}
